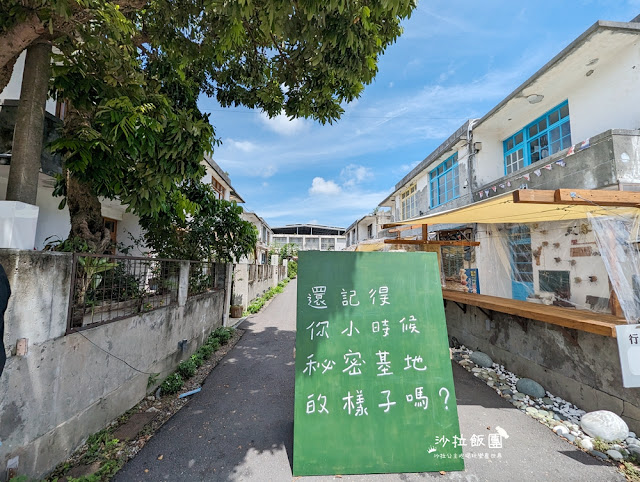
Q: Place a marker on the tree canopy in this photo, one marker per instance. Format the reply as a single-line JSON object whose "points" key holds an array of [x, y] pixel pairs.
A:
{"points": [[133, 70], [214, 231]]}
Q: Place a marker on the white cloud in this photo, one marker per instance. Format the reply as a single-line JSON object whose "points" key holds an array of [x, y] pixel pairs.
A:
{"points": [[282, 125], [354, 174], [406, 168], [319, 186], [244, 146]]}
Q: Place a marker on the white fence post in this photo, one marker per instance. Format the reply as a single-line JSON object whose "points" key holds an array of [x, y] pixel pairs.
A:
{"points": [[227, 295], [183, 283]]}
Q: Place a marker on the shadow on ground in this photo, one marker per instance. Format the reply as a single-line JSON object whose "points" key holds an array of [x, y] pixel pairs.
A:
{"points": [[241, 424]]}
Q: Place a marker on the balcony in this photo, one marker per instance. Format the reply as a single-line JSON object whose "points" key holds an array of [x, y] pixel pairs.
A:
{"points": [[610, 160]]}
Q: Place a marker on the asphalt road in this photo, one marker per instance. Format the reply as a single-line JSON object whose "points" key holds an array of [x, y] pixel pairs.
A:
{"points": [[240, 426]]}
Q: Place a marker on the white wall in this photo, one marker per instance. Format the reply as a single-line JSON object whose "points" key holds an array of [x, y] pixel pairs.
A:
{"points": [[597, 103], [12, 90]]}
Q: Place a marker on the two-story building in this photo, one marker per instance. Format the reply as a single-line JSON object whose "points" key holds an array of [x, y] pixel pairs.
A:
{"points": [[572, 124], [367, 228], [265, 238]]}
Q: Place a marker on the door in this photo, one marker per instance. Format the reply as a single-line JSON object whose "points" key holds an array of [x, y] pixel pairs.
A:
{"points": [[521, 262]]}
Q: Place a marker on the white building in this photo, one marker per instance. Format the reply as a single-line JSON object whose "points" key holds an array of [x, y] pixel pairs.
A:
{"points": [[309, 237], [570, 125], [265, 238], [367, 227]]}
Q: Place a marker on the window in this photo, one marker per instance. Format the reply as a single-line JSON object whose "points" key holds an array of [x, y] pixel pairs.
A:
{"points": [[328, 244], [217, 188], [542, 138], [370, 231], [312, 243], [445, 182], [408, 200]]}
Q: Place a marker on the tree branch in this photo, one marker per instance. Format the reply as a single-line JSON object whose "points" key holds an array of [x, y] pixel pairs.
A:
{"points": [[18, 38]]}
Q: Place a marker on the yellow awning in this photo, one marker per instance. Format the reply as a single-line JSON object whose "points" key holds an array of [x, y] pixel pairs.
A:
{"points": [[503, 209], [369, 247]]}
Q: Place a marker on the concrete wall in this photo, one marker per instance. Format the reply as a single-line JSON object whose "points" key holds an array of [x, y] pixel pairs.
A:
{"points": [[65, 388], [612, 157], [584, 370], [250, 290]]}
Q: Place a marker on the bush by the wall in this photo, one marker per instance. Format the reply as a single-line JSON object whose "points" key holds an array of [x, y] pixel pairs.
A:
{"points": [[172, 384], [292, 269], [187, 368]]}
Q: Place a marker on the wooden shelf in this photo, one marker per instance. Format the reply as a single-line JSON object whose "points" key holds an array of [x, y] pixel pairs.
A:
{"points": [[598, 323]]}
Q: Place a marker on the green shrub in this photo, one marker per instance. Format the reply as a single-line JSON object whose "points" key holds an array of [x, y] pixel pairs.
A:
{"points": [[187, 368], [292, 269], [206, 351], [223, 334], [197, 359], [172, 384], [214, 343]]}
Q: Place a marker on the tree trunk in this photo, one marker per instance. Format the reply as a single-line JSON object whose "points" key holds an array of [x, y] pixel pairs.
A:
{"points": [[86, 215], [29, 130]]}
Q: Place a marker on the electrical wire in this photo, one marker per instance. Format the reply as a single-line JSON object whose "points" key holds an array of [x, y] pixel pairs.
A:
{"points": [[114, 356]]}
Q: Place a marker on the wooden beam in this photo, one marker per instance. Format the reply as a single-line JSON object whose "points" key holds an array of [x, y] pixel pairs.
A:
{"points": [[597, 196], [437, 243], [425, 232], [598, 323], [578, 197], [536, 196]]}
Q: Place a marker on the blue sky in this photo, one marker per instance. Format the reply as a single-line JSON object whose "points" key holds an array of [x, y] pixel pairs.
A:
{"points": [[455, 60]]}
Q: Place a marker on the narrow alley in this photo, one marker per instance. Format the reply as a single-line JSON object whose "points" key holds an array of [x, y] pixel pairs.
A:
{"points": [[240, 427]]}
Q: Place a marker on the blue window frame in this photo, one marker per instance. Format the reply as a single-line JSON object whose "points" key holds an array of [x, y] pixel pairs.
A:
{"points": [[445, 181], [543, 137]]}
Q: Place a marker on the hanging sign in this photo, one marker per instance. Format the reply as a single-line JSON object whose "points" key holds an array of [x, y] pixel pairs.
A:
{"points": [[374, 388], [629, 349]]}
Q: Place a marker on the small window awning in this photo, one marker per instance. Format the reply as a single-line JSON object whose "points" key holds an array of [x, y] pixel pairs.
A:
{"points": [[533, 206]]}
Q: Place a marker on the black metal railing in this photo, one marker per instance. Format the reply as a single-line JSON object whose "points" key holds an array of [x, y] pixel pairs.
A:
{"points": [[106, 288], [205, 276]]}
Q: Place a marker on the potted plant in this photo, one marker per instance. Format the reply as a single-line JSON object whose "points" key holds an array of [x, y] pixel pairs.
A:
{"points": [[236, 306]]}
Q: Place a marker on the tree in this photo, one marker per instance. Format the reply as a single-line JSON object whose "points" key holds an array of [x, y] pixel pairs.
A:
{"points": [[215, 232], [133, 70]]}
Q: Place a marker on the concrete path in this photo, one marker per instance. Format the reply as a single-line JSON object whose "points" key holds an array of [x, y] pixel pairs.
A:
{"points": [[240, 426]]}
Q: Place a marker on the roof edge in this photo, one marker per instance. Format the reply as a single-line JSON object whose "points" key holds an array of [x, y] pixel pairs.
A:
{"points": [[599, 25]]}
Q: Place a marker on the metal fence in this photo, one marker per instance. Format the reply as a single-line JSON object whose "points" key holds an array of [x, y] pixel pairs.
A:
{"points": [[106, 288], [205, 276]]}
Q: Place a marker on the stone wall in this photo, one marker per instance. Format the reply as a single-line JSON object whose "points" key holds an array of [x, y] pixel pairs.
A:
{"points": [[580, 367], [68, 387]]}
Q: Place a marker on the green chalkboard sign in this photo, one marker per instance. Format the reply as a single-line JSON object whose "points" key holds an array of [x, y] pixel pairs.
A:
{"points": [[374, 387]]}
